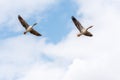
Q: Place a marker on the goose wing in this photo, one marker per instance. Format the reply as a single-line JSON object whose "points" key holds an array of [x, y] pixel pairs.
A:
{"points": [[77, 23], [35, 32], [88, 34], [23, 22]]}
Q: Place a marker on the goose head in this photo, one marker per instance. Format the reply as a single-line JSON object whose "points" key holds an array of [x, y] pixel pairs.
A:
{"points": [[34, 24]]}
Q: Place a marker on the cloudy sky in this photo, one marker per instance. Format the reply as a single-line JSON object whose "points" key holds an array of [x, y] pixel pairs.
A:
{"points": [[59, 54]]}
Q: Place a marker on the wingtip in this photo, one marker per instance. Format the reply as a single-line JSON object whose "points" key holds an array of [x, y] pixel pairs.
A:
{"points": [[18, 15], [39, 35], [73, 18]]}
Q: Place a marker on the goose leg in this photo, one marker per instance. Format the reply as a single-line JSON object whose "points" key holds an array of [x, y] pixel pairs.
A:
{"points": [[25, 32], [78, 35]]}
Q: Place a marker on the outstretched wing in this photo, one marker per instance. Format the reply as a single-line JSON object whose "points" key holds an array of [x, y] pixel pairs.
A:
{"points": [[77, 23], [35, 32], [88, 34], [23, 22]]}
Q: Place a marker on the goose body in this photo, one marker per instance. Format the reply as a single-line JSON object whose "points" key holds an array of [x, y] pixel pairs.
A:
{"points": [[27, 27], [82, 30]]}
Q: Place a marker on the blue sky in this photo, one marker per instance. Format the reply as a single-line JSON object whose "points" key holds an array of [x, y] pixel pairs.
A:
{"points": [[54, 23], [58, 20], [59, 54]]}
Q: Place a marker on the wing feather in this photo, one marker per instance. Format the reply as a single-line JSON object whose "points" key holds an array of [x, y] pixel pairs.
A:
{"points": [[35, 32], [23, 22], [77, 23]]}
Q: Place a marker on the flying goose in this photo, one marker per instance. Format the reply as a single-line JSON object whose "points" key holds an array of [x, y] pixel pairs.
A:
{"points": [[82, 30], [27, 27]]}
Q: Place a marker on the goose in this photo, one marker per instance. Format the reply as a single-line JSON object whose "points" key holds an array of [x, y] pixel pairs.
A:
{"points": [[28, 27], [82, 30]]}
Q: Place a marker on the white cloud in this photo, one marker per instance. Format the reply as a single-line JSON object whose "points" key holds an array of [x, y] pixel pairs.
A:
{"points": [[99, 55], [105, 38], [95, 58], [91, 70], [12, 8], [98, 59], [44, 72], [22, 56], [18, 54]]}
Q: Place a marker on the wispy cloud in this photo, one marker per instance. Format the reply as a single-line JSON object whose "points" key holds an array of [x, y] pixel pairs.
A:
{"points": [[12, 8], [98, 59], [44, 72], [73, 58], [15, 56]]}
